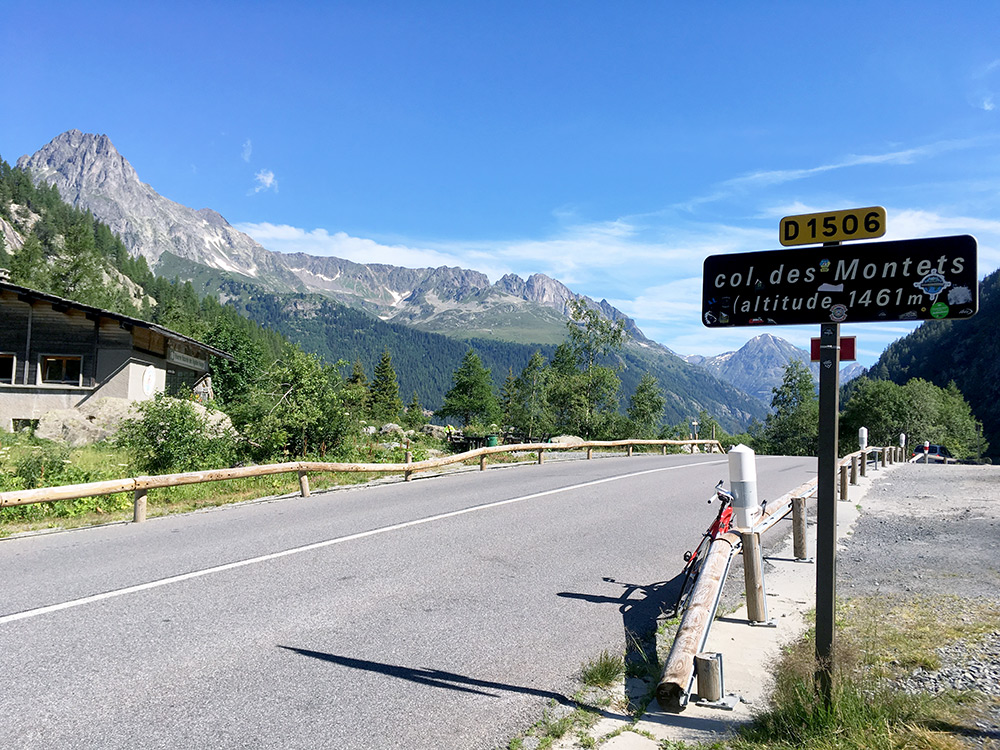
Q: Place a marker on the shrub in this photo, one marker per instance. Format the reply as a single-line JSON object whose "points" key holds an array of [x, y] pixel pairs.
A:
{"points": [[170, 435]]}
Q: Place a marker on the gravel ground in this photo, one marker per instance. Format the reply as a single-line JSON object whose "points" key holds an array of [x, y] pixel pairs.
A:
{"points": [[934, 530]]}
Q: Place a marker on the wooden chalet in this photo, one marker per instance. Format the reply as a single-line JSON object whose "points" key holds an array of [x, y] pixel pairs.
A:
{"points": [[58, 354]]}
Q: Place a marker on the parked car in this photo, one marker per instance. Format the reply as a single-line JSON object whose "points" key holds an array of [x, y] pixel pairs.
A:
{"points": [[935, 454]]}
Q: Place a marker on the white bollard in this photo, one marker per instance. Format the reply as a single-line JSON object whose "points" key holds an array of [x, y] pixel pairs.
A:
{"points": [[743, 483]]}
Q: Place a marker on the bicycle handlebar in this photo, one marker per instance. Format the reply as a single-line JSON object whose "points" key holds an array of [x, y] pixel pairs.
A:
{"points": [[724, 495]]}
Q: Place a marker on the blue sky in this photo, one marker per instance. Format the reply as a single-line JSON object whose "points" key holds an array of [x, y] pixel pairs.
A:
{"points": [[611, 145]]}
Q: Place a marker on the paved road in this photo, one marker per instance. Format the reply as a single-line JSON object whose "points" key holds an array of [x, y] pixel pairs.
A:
{"points": [[441, 613]]}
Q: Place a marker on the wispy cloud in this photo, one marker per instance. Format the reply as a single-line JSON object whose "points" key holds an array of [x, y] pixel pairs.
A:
{"points": [[771, 178], [284, 238], [265, 181], [247, 150]]}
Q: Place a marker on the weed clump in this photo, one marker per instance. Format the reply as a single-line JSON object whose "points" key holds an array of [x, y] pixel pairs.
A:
{"points": [[605, 670]]}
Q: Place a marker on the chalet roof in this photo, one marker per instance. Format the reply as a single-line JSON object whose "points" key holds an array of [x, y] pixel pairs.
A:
{"points": [[95, 313]]}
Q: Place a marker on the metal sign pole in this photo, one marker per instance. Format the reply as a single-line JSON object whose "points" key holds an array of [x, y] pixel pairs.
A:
{"points": [[826, 505]]}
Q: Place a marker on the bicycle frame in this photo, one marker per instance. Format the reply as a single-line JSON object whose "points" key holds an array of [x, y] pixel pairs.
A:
{"points": [[693, 559]]}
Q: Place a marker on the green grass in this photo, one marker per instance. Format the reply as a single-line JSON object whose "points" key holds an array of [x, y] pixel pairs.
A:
{"points": [[879, 639], [26, 463]]}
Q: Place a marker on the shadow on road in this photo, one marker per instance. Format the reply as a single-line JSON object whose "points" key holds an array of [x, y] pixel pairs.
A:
{"points": [[433, 677], [641, 607]]}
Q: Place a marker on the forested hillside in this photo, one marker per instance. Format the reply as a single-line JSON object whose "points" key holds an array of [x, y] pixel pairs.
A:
{"points": [[425, 361], [965, 352]]}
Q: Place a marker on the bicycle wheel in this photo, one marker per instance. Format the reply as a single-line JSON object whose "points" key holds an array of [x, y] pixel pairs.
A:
{"points": [[691, 571]]}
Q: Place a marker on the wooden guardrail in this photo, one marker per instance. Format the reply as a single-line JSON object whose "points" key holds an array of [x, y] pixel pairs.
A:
{"points": [[140, 486], [674, 687]]}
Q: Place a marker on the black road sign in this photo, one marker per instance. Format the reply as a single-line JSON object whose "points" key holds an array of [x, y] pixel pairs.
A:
{"points": [[870, 282]]}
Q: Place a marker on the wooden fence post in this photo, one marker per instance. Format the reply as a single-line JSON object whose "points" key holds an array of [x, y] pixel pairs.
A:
{"points": [[590, 453], [139, 506], [843, 482], [541, 456], [799, 528], [708, 667], [628, 451], [408, 458], [304, 483], [854, 469], [482, 462], [753, 574]]}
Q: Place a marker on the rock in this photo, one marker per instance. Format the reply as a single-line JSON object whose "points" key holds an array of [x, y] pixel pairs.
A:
{"points": [[435, 431], [390, 428], [567, 440], [99, 420], [89, 423]]}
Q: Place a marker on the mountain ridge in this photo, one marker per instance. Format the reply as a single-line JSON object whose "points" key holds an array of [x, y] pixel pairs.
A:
{"points": [[91, 174], [201, 245]]}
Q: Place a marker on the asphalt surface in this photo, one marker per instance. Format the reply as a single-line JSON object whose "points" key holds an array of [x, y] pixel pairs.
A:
{"points": [[440, 613]]}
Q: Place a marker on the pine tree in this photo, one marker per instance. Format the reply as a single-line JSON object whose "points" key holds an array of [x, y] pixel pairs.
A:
{"points": [[508, 398], [471, 397], [385, 403], [593, 337], [413, 417]]}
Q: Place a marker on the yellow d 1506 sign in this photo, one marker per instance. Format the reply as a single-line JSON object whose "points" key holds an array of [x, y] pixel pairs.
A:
{"points": [[833, 226]]}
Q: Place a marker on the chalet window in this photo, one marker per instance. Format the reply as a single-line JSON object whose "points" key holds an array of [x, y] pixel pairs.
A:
{"points": [[63, 370], [8, 365]]}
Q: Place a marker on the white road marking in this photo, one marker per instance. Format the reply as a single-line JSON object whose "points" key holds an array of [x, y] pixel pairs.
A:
{"points": [[27, 614]]}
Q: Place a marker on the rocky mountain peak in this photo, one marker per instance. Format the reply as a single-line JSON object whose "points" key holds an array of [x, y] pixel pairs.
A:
{"points": [[90, 174], [83, 162]]}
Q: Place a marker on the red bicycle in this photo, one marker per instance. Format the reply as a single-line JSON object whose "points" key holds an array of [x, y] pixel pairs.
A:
{"points": [[694, 559]]}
